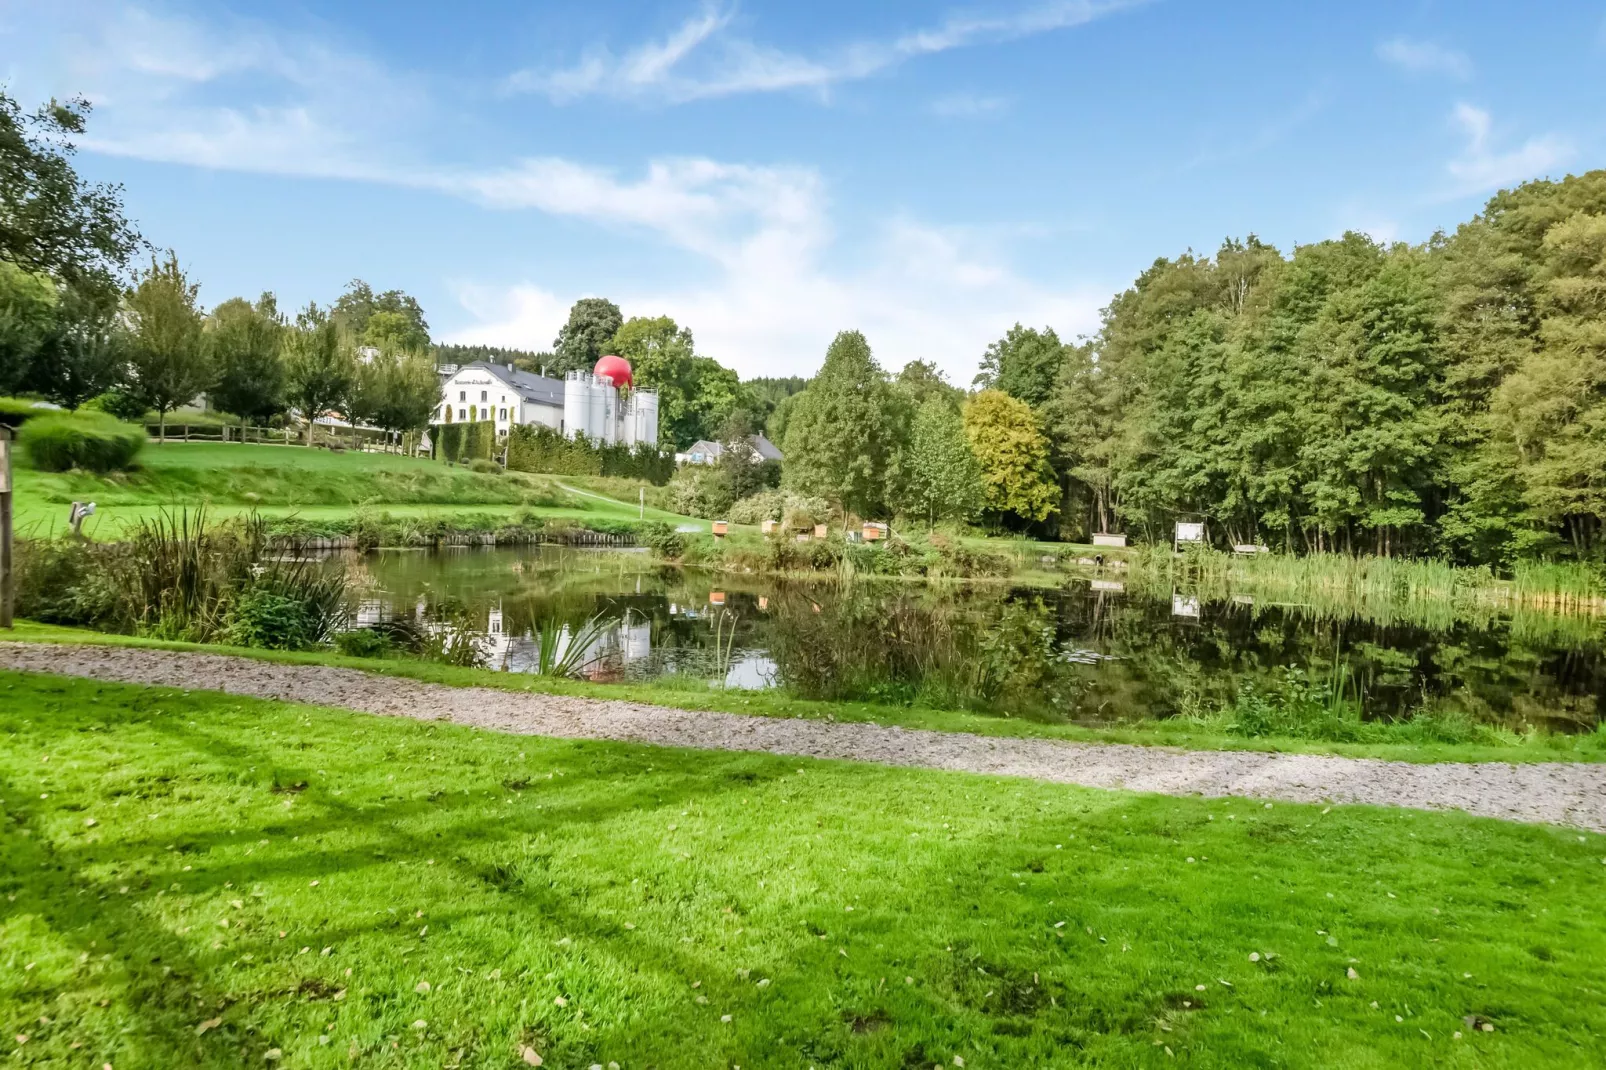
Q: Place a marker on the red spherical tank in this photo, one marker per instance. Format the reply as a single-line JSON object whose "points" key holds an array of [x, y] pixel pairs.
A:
{"points": [[615, 368]]}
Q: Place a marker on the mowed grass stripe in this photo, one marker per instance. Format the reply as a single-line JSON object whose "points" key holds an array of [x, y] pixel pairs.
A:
{"points": [[603, 902]]}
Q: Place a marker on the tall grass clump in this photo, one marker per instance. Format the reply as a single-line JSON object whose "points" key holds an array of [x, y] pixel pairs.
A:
{"points": [[1380, 589], [180, 577], [566, 650], [92, 441]]}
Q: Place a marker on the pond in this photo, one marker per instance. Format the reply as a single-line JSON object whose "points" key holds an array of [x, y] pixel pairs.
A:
{"points": [[1087, 650]]}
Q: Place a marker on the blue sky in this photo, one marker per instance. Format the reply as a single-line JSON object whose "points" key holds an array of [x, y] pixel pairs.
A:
{"points": [[772, 173]]}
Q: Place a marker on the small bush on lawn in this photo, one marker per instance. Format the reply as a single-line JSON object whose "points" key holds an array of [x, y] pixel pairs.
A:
{"points": [[364, 643], [92, 441], [485, 467], [16, 411], [664, 541]]}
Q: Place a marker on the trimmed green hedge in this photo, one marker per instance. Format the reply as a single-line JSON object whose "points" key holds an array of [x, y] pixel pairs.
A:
{"points": [[537, 448], [14, 412], [90, 440], [463, 442]]}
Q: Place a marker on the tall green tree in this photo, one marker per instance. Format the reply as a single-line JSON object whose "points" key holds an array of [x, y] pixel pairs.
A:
{"points": [[52, 222], [593, 323], [402, 317], [1023, 364], [920, 380], [27, 318], [86, 350], [169, 360], [942, 479], [840, 444], [397, 391], [320, 368], [1012, 453], [248, 341], [696, 395]]}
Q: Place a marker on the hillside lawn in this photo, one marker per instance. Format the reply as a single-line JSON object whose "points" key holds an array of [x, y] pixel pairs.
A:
{"points": [[193, 879], [313, 484]]}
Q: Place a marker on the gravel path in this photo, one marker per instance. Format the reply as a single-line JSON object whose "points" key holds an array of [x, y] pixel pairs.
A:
{"points": [[1554, 792]]}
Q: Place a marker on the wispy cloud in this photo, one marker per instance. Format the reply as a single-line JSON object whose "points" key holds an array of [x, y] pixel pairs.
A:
{"points": [[1425, 57], [700, 59], [967, 105], [1481, 167]]}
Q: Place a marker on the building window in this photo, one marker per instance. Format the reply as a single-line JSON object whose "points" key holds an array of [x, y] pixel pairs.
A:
{"points": [[462, 414], [462, 395], [504, 416], [484, 395]]}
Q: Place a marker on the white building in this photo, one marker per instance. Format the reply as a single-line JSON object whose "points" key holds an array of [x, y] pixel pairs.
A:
{"points": [[578, 404]]}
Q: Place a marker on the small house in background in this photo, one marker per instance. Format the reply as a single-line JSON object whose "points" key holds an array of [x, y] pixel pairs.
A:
{"points": [[874, 532], [704, 451], [716, 598], [1105, 538], [820, 531], [768, 526], [721, 527]]}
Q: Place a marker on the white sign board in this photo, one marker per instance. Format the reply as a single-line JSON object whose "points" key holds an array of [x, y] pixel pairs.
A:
{"points": [[1190, 531], [1185, 605], [5, 466]]}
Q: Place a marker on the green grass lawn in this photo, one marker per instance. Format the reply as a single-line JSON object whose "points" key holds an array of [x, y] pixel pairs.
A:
{"points": [[197, 880], [693, 694], [293, 480]]}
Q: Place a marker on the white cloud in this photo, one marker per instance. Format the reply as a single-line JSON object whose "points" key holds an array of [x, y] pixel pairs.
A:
{"points": [[700, 60], [1425, 57], [967, 105], [233, 94], [1480, 168], [772, 283], [918, 292]]}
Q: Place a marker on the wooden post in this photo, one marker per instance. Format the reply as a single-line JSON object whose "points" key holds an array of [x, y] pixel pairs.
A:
{"points": [[7, 582]]}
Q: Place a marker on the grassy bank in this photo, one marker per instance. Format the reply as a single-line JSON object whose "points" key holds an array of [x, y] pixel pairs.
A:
{"points": [[199, 880], [316, 486], [1405, 744]]}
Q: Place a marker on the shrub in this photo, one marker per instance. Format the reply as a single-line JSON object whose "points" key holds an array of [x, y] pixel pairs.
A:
{"points": [[69, 581], [89, 440], [484, 467], [15, 411], [701, 490], [765, 505], [119, 403], [798, 511], [664, 541], [364, 643]]}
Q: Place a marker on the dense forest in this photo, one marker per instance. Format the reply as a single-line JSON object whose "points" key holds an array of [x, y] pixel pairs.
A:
{"points": [[1443, 399], [1446, 398]]}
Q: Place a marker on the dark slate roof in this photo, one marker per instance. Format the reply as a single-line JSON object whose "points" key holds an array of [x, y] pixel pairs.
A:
{"points": [[530, 387], [765, 449]]}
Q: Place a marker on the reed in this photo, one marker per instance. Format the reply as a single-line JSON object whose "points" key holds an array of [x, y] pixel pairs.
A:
{"points": [[568, 651], [1381, 589]]}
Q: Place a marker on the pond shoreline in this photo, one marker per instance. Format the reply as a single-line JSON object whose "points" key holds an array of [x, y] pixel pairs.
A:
{"points": [[1569, 794]]}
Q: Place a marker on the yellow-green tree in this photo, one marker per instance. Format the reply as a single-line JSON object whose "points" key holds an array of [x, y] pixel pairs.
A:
{"points": [[1017, 479]]}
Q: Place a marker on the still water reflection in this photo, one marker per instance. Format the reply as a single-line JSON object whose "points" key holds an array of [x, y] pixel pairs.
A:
{"points": [[1096, 650]]}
